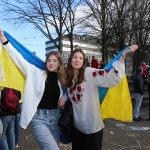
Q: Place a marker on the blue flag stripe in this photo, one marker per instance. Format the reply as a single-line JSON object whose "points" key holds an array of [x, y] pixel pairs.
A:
{"points": [[27, 55], [103, 91]]}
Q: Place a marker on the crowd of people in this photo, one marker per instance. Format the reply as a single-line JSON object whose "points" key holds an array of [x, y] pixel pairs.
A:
{"points": [[46, 91]]}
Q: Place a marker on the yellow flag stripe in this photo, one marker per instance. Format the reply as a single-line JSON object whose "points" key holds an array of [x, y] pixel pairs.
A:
{"points": [[13, 77], [117, 103]]}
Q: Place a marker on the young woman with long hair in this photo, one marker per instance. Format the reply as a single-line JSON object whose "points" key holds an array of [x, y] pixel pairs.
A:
{"points": [[83, 83], [43, 89]]}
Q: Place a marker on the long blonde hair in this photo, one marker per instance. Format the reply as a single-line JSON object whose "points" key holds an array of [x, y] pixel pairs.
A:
{"points": [[61, 69]]}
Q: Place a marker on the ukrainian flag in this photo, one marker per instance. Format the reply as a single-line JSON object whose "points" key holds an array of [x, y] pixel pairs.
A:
{"points": [[10, 75], [115, 101]]}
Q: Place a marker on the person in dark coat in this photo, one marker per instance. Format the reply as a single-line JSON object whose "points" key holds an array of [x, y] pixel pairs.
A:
{"points": [[149, 91], [138, 84], [149, 79]]}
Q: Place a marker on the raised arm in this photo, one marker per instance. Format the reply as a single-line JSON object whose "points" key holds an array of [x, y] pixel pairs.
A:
{"points": [[109, 78], [132, 49], [18, 59]]}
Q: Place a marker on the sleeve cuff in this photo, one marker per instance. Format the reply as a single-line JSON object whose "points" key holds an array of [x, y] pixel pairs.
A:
{"points": [[120, 67], [6, 42]]}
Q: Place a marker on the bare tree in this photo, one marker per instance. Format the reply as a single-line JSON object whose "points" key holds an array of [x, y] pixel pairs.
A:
{"points": [[98, 22], [141, 26], [114, 25], [114, 22], [72, 20], [119, 16], [48, 16]]}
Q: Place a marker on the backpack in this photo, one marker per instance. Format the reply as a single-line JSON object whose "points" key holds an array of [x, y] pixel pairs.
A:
{"points": [[11, 99]]}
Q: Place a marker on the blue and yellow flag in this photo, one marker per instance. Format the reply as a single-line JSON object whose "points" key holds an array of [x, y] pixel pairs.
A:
{"points": [[10, 75], [115, 101]]}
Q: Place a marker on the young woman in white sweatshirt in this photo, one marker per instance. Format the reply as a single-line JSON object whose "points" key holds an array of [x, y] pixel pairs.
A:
{"points": [[83, 83]]}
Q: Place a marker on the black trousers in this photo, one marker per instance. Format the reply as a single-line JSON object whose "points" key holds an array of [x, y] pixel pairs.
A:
{"points": [[81, 141]]}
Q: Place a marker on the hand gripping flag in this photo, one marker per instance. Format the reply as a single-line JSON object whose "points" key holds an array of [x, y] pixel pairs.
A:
{"points": [[115, 101]]}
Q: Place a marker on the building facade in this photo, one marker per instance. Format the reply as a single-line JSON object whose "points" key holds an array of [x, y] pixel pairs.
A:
{"points": [[87, 43]]}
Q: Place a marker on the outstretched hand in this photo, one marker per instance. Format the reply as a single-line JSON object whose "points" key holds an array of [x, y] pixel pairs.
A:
{"points": [[133, 48], [2, 37], [1, 33]]}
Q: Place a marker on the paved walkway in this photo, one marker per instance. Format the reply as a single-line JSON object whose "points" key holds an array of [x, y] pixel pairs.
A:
{"points": [[117, 136]]}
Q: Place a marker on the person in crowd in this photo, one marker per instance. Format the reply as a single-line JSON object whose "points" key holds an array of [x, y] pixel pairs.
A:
{"points": [[17, 126], [145, 70], [94, 63], [43, 89], [7, 114], [149, 77], [149, 92], [83, 83], [138, 85]]}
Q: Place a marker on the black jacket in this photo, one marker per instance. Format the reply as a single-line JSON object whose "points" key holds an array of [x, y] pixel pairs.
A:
{"points": [[149, 84], [138, 84]]}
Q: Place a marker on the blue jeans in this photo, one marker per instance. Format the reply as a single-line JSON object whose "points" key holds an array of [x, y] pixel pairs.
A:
{"points": [[45, 129], [7, 141], [138, 102], [17, 128], [1, 127]]}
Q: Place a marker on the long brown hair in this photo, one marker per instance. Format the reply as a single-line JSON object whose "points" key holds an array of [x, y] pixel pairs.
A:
{"points": [[61, 68], [70, 70]]}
